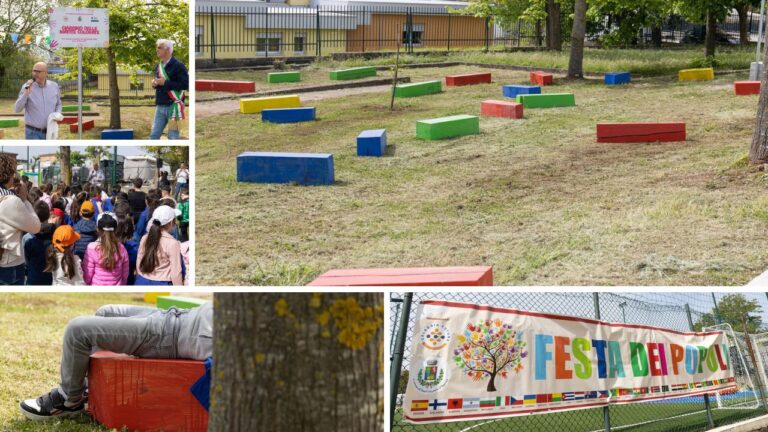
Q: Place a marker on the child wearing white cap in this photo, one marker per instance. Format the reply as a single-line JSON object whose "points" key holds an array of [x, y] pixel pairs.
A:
{"points": [[159, 259]]}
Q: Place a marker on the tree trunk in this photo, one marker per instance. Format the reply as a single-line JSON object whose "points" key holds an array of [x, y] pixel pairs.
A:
{"points": [[66, 166], [758, 153], [538, 33], [114, 91], [576, 61], [743, 11], [711, 37], [297, 362], [491, 383], [656, 35], [554, 35]]}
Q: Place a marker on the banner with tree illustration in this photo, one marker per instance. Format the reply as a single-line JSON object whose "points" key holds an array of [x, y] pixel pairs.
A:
{"points": [[477, 362]]}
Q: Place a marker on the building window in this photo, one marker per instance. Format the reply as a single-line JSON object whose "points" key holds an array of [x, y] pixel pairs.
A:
{"points": [[298, 43], [417, 32], [268, 43], [199, 30]]}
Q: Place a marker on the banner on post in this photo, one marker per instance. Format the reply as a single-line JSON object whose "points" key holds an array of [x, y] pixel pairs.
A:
{"points": [[479, 362], [78, 27]]}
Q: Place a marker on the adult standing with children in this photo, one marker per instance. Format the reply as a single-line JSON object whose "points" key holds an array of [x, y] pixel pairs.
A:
{"points": [[17, 216], [170, 83], [39, 98]]}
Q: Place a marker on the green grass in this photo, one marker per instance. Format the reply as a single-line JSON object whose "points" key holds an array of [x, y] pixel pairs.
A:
{"points": [[31, 330], [139, 118], [663, 417], [536, 198]]}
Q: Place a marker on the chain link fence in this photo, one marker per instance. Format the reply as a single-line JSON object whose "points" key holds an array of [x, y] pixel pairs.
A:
{"points": [[677, 311]]}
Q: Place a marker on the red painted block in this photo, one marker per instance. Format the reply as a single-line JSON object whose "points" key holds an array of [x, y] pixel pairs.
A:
{"points": [[497, 108], [424, 276], [145, 394], [743, 88], [467, 79], [640, 132], [541, 78], [68, 120], [225, 86], [87, 124]]}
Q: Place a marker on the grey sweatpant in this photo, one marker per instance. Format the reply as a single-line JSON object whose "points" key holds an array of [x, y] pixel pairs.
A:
{"points": [[135, 330]]}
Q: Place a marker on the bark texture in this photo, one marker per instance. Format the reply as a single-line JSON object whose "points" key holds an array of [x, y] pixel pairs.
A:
{"points": [[576, 60], [297, 362]]}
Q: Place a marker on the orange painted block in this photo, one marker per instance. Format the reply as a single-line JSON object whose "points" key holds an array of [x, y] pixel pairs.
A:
{"points": [[87, 124], [497, 108], [541, 78], [69, 120], [743, 88], [467, 79], [145, 394], [420, 276]]}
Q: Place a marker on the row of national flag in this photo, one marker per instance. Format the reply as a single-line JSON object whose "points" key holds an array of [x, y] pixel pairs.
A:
{"points": [[547, 398]]}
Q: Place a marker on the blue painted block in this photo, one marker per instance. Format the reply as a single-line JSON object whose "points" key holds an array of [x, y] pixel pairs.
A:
{"points": [[117, 134], [372, 142], [288, 115], [615, 78], [511, 91], [302, 168]]}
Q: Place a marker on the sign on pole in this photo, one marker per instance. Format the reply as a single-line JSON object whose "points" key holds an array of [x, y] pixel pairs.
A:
{"points": [[474, 362], [79, 28]]}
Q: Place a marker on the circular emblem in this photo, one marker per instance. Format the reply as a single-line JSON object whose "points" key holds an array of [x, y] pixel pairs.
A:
{"points": [[435, 336], [431, 376]]}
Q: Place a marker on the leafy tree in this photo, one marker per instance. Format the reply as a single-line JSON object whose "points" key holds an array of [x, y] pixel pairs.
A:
{"points": [[20, 17], [742, 8], [624, 19], [505, 13], [134, 27], [733, 308], [489, 348], [76, 159], [297, 362], [708, 12], [758, 152], [173, 155]]}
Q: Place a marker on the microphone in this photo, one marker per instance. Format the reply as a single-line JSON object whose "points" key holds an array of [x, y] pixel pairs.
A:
{"points": [[28, 84]]}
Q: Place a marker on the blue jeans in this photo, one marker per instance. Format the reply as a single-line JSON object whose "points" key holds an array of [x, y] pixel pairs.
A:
{"points": [[141, 280], [33, 134], [12, 275], [161, 120], [179, 187]]}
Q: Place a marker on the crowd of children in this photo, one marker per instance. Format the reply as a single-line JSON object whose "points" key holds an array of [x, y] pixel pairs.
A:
{"points": [[80, 235]]}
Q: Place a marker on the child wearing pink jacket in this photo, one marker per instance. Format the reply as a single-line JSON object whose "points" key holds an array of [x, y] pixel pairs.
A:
{"points": [[106, 260]]}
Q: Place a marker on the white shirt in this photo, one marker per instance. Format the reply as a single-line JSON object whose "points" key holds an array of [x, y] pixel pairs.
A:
{"points": [[181, 175]]}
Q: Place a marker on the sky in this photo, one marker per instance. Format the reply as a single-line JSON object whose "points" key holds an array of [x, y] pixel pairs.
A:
{"points": [[38, 150]]}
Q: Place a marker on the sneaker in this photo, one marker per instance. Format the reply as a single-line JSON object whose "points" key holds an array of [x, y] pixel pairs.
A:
{"points": [[51, 406]]}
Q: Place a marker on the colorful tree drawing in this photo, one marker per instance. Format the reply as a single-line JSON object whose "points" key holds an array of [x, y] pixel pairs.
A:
{"points": [[490, 348]]}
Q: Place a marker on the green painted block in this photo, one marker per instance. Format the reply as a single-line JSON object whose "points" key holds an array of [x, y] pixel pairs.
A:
{"points": [[282, 77], [547, 100], [353, 73], [418, 89], [73, 108], [4, 123], [165, 302], [448, 127]]}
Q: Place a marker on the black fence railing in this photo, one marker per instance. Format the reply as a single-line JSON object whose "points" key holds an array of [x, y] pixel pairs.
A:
{"points": [[275, 30]]}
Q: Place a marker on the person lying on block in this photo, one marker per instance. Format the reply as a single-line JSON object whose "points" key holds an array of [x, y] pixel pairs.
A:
{"points": [[136, 330]]}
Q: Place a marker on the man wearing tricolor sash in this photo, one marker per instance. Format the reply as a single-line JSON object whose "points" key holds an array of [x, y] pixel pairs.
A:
{"points": [[171, 83]]}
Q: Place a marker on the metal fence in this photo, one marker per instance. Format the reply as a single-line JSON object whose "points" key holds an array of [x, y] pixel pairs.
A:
{"points": [[678, 311], [270, 30]]}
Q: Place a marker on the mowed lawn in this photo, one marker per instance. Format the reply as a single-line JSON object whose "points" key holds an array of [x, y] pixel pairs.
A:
{"points": [[138, 118], [665, 416], [31, 329], [538, 199]]}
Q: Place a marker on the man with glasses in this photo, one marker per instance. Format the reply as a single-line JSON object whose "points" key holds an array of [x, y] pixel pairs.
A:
{"points": [[170, 83], [39, 97]]}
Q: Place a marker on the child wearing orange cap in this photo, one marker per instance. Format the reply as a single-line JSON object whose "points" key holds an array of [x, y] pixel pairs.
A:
{"points": [[86, 228], [61, 260]]}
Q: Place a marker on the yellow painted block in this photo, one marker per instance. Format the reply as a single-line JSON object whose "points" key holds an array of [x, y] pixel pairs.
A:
{"points": [[257, 105], [703, 74], [151, 297]]}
